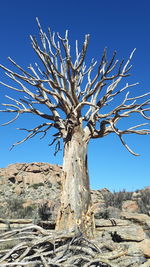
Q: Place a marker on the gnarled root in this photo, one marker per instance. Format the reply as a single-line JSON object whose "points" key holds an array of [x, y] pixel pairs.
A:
{"points": [[35, 246]]}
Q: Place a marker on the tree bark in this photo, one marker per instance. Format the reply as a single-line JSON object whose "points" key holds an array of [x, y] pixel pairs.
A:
{"points": [[76, 213]]}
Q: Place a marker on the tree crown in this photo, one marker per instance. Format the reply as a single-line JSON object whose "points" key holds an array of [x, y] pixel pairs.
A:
{"points": [[73, 93]]}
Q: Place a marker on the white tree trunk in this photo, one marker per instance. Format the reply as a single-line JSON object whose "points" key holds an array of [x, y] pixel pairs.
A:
{"points": [[75, 212]]}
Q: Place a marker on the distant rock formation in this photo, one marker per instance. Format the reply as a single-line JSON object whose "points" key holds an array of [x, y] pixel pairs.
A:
{"points": [[29, 185], [30, 173]]}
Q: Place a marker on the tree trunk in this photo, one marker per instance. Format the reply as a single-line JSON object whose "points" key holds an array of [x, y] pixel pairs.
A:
{"points": [[75, 213]]}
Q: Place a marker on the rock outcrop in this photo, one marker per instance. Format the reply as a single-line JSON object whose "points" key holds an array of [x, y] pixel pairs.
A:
{"points": [[24, 187], [30, 173]]}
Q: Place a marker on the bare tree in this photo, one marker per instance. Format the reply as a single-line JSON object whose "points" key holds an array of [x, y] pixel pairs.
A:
{"points": [[76, 97]]}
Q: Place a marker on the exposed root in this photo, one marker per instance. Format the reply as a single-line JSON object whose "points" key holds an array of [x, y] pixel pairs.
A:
{"points": [[35, 246]]}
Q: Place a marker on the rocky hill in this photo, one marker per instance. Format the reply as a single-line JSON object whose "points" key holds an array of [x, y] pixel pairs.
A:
{"points": [[24, 187], [30, 194]]}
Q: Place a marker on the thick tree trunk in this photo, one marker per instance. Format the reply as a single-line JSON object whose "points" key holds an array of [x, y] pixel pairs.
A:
{"points": [[75, 213]]}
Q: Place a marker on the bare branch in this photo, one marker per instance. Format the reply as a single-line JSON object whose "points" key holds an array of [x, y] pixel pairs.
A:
{"points": [[15, 118], [70, 89], [33, 132], [127, 147]]}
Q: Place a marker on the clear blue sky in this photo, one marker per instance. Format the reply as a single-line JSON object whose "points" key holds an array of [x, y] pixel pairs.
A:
{"points": [[120, 25]]}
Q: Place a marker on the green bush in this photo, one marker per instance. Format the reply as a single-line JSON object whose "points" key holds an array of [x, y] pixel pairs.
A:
{"points": [[36, 186]]}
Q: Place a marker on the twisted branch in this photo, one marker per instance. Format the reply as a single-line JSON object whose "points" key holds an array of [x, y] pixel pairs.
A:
{"points": [[70, 89]]}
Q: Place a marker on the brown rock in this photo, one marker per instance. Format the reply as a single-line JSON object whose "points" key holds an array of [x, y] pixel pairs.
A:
{"points": [[56, 168], [145, 247], [33, 178], [19, 178], [2, 180], [13, 169], [140, 218], [34, 167], [130, 206], [53, 178], [18, 190], [147, 188], [27, 203], [97, 197], [105, 190]]}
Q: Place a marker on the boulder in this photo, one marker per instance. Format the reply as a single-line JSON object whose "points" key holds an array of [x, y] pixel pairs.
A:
{"points": [[139, 218], [18, 190], [145, 247], [97, 196], [128, 233], [130, 206], [33, 178]]}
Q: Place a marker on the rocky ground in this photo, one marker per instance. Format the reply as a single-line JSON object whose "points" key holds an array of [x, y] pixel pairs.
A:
{"points": [[29, 199]]}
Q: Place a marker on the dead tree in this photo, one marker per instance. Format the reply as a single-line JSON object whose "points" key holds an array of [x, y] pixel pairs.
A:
{"points": [[76, 97]]}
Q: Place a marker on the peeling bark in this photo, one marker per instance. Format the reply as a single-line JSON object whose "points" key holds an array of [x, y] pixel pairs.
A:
{"points": [[76, 213]]}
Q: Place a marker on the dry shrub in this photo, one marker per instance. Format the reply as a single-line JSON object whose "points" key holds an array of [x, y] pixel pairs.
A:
{"points": [[115, 199]]}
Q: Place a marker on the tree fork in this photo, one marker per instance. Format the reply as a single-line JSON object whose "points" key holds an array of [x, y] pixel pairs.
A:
{"points": [[75, 212]]}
